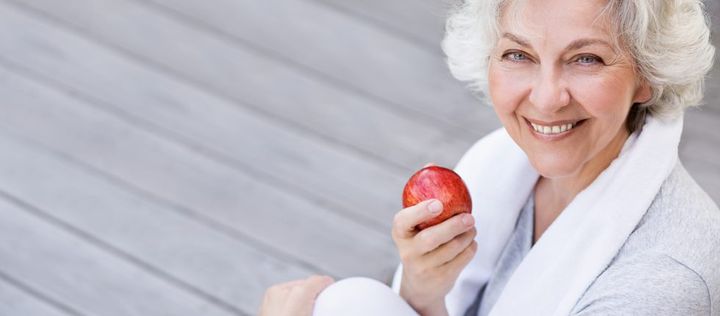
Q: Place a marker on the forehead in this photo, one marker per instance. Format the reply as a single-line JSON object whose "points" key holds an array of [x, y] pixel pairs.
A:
{"points": [[556, 20]]}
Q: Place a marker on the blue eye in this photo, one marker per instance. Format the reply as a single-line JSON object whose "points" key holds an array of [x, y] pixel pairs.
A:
{"points": [[515, 56], [588, 59]]}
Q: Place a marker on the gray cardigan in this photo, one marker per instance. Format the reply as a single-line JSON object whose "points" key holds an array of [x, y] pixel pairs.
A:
{"points": [[669, 265]]}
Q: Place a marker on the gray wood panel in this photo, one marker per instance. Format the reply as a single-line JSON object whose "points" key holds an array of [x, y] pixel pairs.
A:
{"points": [[333, 44], [184, 155], [246, 75], [66, 268], [700, 149], [202, 258], [707, 176], [16, 300], [202, 188], [266, 150], [421, 21]]}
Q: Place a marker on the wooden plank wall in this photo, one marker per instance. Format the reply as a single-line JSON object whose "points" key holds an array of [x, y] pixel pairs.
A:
{"points": [[177, 157]]}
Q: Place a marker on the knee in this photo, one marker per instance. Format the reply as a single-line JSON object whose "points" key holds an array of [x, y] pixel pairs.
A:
{"points": [[350, 289], [362, 296]]}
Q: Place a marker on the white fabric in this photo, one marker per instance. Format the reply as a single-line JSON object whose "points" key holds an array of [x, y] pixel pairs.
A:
{"points": [[360, 296], [580, 243]]}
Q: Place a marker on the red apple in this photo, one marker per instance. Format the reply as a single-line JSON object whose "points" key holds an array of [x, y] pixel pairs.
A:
{"points": [[435, 182]]}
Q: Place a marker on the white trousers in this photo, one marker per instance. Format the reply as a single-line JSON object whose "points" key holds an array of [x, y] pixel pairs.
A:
{"points": [[361, 297]]}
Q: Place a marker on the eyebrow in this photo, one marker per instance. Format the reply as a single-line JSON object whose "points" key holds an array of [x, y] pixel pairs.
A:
{"points": [[574, 45]]}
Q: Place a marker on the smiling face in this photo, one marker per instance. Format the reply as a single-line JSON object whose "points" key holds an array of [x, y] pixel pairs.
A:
{"points": [[560, 87]]}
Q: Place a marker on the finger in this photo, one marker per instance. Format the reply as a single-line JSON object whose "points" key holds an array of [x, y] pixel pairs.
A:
{"points": [[287, 285], [303, 295], [457, 264], [434, 236], [275, 297], [281, 291], [310, 287], [315, 284], [452, 248], [409, 217]]}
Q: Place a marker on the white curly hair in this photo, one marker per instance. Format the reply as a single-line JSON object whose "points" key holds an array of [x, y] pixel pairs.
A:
{"points": [[668, 40]]}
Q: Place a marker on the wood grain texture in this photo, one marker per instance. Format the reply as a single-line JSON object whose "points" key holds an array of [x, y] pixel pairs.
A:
{"points": [[196, 185], [252, 79], [178, 157], [198, 257], [85, 276], [263, 148], [422, 22], [17, 299], [410, 78]]}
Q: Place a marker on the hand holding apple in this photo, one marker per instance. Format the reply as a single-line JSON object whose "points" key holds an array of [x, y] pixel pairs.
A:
{"points": [[433, 256]]}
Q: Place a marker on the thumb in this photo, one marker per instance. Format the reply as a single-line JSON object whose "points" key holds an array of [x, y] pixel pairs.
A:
{"points": [[301, 298], [309, 289], [317, 283]]}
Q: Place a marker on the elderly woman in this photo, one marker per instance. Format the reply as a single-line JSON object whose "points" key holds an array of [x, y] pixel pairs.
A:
{"points": [[581, 205]]}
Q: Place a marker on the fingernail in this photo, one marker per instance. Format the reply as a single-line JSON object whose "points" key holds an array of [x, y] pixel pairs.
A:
{"points": [[467, 219], [435, 207]]}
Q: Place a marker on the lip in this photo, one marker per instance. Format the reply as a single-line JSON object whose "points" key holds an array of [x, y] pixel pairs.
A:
{"points": [[553, 123], [553, 137]]}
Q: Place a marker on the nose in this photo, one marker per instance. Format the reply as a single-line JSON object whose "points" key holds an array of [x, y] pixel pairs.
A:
{"points": [[549, 92]]}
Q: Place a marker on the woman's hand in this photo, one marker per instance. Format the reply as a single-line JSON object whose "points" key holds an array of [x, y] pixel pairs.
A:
{"points": [[432, 258], [294, 297]]}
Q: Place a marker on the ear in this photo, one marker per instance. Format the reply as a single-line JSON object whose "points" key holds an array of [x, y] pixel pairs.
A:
{"points": [[643, 93]]}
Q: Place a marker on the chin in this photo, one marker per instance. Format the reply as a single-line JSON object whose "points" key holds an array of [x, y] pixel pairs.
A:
{"points": [[553, 168]]}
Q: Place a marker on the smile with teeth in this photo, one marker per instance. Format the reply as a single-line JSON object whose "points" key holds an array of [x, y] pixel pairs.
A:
{"points": [[549, 130]]}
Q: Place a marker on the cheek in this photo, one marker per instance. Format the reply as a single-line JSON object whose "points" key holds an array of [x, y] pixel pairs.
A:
{"points": [[604, 97], [607, 99], [507, 89]]}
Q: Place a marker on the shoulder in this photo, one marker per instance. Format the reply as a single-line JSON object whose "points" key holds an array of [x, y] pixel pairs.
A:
{"points": [[682, 222], [668, 264], [646, 284]]}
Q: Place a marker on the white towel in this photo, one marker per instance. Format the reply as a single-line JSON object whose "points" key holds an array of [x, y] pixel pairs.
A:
{"points": [[580, 243]]}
